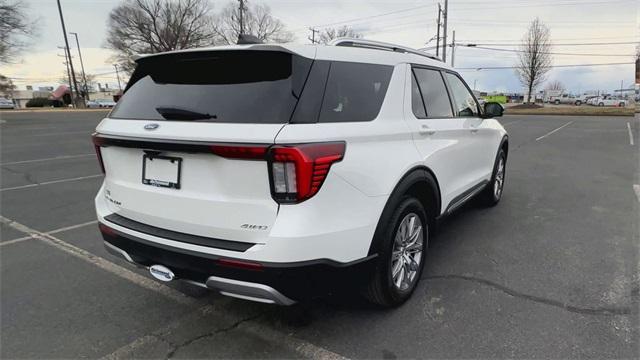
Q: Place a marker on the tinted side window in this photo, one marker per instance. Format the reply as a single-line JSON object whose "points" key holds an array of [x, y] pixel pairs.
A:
{"points": [[416, 99], [434, 93], [465, 103], [308, 108], [354, 91]]}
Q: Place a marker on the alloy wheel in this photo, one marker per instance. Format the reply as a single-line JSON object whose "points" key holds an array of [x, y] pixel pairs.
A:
{"points": [[498, 183], [407, 252]]}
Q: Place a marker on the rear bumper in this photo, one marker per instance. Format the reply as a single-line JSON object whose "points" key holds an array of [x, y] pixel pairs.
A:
{"points": [[277, 283]]}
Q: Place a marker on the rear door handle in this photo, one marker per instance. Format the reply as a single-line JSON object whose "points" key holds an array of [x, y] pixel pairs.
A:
{"points": [[474, 130], [425, 130]]}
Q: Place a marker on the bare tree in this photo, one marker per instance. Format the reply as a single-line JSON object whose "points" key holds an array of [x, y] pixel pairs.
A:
{"points": [[15, 29], [151, 26], [6, 86], [257, 21], [556, 85], [534, 58], [329, 34], [637, 59]]}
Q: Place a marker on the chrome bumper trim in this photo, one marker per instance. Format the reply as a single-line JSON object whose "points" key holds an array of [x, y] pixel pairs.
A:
{"points": [[229, 287], [248, 290]]}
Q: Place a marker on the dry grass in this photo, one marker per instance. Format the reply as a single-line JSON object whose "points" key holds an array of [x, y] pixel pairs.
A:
{"points": [[578, 110]]}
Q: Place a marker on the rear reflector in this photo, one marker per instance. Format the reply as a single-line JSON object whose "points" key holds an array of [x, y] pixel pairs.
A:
{"points": [[247, 265], [106, 230], [298, 171]]}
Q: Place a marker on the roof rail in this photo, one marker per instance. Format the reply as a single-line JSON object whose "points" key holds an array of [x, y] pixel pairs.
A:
{"points": [[379, 45]]}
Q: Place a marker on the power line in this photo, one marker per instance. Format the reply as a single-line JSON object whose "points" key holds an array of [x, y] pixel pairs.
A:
{"points": [[372, 16], [563, 39], [550, 53], [542, 4], [566, 44], [477, 68]]}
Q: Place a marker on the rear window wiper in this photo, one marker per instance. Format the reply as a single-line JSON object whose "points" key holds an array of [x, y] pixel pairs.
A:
{"points": [[171, 113]]}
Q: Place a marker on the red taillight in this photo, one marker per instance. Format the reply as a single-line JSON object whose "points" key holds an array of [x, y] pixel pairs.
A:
{"points": [[298, 171], [97, 143], [246, 152], [240, 264]]}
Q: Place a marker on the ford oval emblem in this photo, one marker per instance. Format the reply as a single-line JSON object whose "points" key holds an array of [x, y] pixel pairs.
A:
{"points": [[151, 126], [161, 273]]}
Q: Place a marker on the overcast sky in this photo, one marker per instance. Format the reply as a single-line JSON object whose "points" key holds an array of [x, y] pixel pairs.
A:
{"points": [[410, 23]]}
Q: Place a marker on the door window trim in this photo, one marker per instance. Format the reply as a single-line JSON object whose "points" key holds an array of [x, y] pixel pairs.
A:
{"points": [[452, 96], [446, 86]]}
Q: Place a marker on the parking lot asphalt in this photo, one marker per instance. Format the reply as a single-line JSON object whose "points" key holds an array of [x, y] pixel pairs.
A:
{"points": [[551, 272]]}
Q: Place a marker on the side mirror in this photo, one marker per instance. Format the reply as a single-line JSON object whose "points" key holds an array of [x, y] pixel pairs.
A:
{"points": [[492, 109]]}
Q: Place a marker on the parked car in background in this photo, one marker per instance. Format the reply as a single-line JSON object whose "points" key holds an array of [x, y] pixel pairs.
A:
{"points": [[101, 103], [568, 99], [608, 101], [6, 104]]}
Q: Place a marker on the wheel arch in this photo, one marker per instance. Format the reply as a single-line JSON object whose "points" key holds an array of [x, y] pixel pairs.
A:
{"points": [[504, 145], [419, 182]]}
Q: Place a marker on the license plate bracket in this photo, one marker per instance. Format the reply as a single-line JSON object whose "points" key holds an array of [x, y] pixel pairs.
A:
{"points": [[161, 171]]}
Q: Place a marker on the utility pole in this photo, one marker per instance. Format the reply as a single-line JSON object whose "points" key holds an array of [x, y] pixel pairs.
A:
{"points": [[438, 31], [313, 35], [445, 14], [84, 76], [453, 48], [66, 43], [241, 16], [66, 63], [118, 76]]}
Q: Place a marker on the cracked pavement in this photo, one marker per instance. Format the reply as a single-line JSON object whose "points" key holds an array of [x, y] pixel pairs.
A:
{"points": [[551, 272]]}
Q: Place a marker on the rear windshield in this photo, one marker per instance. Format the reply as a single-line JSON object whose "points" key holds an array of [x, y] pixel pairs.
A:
{"points": [[217, 86]]}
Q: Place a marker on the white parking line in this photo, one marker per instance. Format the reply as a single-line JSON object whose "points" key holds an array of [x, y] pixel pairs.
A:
{"points": [[72, 227], [18, 240], [554, 130], [47, 159], [66, 228], [636, 188], [101, 263], [87, 132], [50, 182], [512, 122], [304, 349], [630, 134]]}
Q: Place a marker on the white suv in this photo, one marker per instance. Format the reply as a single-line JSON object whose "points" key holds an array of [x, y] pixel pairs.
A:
{"points": [[277, 172]]}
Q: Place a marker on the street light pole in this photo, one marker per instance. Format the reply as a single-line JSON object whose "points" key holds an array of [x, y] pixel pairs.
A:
{"points": [[66, 43], [118, 76], [445, 15], [438, 32], [84, 76], [66, 63], [453, 49]]}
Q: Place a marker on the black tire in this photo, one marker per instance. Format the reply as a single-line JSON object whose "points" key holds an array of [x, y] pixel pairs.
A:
{"points": [[578, 103], [489, 197], [601, 104], [381, 290], [557, 102]]}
